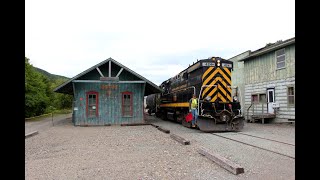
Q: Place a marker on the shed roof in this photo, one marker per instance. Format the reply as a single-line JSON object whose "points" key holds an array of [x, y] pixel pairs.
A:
{"points": [[67, 87], [268, 48]]}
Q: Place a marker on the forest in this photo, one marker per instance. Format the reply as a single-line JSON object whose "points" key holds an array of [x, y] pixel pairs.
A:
{"points": [[39, 96]]}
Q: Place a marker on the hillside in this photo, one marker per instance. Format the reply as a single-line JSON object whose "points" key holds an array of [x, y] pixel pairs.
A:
{"points": [[50, 76]]}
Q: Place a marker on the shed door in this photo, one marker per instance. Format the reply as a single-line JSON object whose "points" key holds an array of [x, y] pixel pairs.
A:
{"points": [[270, 100]]}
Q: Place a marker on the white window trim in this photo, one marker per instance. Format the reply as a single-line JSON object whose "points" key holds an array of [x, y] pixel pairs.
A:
{"points": [[275, 53]]}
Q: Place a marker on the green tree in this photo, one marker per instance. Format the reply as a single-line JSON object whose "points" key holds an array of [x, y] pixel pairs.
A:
{"points": [[36, 88], [60, 101]]}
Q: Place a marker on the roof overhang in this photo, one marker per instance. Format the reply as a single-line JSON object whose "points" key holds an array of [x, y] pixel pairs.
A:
{"points": [[268, 49], [67, 87]]}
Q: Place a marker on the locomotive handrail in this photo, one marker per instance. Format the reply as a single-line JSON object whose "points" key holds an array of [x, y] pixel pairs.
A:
{"points": [[236, 87], [248, 111]]}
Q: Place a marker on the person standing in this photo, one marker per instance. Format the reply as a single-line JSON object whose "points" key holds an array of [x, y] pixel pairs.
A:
{"points": [[193, 106]]}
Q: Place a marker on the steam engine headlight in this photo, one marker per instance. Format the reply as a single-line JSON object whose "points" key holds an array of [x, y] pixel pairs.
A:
{"points": [[235, 98]]}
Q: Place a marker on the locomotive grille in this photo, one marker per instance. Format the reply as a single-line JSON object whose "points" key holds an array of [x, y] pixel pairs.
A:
{"points": [[221, 77]]}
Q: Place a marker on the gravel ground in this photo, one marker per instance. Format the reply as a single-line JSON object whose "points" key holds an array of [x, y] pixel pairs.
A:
{"points": [[280, 132], [286, 149], [143, 152], [257, 163], [114, 152]]}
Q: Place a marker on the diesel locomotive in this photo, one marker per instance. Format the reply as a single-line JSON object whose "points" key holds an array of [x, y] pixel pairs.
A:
{"points": [[218, 101]]}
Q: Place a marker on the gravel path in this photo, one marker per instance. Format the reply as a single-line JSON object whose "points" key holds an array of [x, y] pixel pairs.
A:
{"points": [[45, 123]]}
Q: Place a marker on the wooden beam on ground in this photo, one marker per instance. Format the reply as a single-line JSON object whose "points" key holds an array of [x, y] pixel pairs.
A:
{"points": [[180, 139], [156, 126], [221, 161], [135, 124], [31, 134], [163, 129]]}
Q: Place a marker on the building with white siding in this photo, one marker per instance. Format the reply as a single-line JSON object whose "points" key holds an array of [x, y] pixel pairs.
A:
{"points": [[266, 78]]}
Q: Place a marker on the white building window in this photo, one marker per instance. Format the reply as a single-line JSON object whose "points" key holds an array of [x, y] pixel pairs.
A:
{"points": [[281, 58]]}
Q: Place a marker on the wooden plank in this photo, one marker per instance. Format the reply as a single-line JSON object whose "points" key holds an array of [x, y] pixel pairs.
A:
{"points": [[99, 72], [109, 69], [180, 139], [221, 161], [119, 72], [163, 130], [156, 126], [31, 134]]}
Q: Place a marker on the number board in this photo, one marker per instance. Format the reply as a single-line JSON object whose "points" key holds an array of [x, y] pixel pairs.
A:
{"points": [[208, 64], [226, 65]]}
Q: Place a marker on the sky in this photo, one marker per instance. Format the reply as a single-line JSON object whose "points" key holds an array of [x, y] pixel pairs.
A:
{"points": [[156, 39]]}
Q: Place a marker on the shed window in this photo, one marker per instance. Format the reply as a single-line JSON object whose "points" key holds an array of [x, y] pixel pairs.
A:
{"points": [[258, 98], [291, 96], [92, 104], [127, 104], [281, 58], [262, 98], [254, 98]]}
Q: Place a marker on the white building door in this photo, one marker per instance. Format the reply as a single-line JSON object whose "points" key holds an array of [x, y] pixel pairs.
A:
{"points": [[270, 100]]}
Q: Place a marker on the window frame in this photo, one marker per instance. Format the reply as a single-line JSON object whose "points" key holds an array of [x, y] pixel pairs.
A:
{"points": [[255, 102], [87, 103], [284, 54], [265, 98], [131, 103], [294, 94], [258, 98]]}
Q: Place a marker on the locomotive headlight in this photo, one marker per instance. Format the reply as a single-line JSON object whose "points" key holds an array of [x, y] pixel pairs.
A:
{"points": [[218, 63], [235, 98]]}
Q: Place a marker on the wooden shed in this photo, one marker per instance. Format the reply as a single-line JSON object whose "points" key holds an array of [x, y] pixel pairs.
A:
{"points": [[266, 78], [108, 93]]}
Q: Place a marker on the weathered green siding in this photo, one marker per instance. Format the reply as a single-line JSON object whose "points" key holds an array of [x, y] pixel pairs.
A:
{"points": [[261, 73], [110, 105], [237, 75], [263, 68]]}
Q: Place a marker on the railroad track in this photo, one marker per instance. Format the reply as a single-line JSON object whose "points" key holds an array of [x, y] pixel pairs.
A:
{"points": [[266, 139], [257, 146]]}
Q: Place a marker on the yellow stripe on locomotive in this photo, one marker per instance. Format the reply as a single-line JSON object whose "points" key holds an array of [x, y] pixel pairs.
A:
{"points": [[218, 82]]}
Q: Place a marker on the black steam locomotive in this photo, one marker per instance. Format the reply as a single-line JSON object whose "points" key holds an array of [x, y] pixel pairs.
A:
{"points": [[210, 79]]}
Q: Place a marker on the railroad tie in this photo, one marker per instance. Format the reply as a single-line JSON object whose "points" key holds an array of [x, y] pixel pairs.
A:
{"points": [[180, 139], [221, 161], [31, 134]]}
